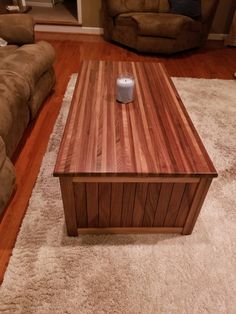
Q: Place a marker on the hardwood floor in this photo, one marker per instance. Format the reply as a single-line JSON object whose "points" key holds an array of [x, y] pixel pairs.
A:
{"points": [[214, 61]]}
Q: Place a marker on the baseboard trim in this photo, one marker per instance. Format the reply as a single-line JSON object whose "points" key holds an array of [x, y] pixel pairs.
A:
{"points": [[95, 30], [217, 36], [68, 29], [39, 4]]}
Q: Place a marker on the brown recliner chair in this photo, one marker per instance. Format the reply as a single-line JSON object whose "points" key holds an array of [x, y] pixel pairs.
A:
{"points": [[148, 25]]}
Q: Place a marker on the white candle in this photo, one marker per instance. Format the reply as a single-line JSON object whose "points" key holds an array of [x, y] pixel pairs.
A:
{"points": [[23, 3], [125, 89]]}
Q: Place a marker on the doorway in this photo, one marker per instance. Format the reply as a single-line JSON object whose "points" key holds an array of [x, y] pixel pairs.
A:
{"points": [[57, 12]]}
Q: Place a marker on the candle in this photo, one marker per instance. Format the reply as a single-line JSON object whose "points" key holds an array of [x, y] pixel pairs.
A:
{"points": [[125, 89], [23, 3]]}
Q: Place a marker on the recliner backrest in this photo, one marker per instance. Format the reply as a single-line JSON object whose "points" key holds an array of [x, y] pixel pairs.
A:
{"points": [[116, 7], [208, 8]]}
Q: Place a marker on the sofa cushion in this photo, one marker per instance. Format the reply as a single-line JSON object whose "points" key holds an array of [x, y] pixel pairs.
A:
{"points": [[30, 61], [116, 7], [14, 110], [13, 88], [6, 51], [158, 24], [17, 28], [42, 89], [191, 8]]}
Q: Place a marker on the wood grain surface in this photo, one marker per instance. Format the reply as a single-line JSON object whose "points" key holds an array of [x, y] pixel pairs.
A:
{"points": [[133, 205], [152, 136], [69, 205]]}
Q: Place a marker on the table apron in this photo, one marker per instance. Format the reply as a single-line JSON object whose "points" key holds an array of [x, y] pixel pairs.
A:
{"points": [[164, 205], [136, 179]]}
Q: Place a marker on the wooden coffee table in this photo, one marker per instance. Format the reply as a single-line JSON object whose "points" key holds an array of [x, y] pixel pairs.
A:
{"points": [[139, 167]]}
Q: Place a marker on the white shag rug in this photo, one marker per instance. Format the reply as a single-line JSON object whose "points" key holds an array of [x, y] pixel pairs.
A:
{"points": [[147, 274]]}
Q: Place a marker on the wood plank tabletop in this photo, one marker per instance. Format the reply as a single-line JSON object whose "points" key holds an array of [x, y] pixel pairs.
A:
{"points": [[152, 136]]}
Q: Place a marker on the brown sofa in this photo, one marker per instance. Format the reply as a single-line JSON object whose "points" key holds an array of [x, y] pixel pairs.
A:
{"points": [[26, 78], [148, 25]]}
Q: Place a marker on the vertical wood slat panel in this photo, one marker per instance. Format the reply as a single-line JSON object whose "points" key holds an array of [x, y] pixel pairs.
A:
{"points": [[185, 204], [116, 204], [163, 202], [128, 204], [143, 204], [104, 202], [92, 204], [81, 204], [174, 205], [151, 204], [139, 204], [199, 198]]}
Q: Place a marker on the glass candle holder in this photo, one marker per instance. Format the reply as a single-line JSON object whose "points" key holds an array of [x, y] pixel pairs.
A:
{"points": [[125, 88]]}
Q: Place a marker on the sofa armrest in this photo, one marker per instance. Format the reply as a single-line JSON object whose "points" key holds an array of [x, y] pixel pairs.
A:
{"points": [[29, 62], [17, 28], [7, 177]]}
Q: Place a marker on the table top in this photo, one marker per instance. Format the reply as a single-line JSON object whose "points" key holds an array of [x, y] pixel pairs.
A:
{"points": [[152, 137]]}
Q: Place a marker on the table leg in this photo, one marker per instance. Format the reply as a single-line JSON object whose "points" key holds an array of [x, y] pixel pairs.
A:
{"points": [[69, 205], [197, 203]]}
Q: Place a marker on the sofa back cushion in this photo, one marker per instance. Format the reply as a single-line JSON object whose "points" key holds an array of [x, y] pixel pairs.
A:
{"points": [[191, 8], [17, 28], [208, 9], [116, 7]]}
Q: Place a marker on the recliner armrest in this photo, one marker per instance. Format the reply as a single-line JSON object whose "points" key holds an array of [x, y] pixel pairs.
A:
{"points": [[17, 28]]}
